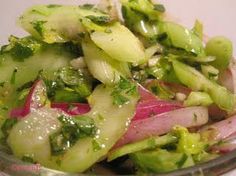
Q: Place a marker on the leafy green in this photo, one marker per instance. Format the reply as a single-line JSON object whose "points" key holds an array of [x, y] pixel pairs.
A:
{"points": [[71, 131], [160, 160], [121, 91], [27, 159], [162, 91], [21, 48], [138, 22], [7, 126], [66, 95], [152, 11], [68, 85], [76, 80], [189, 143], [184, 151], [163, 70]]}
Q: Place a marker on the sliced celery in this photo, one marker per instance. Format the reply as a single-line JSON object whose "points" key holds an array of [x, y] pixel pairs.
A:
{"points": [[111, 122], [120, 43], [103, 67], [198, 99], [58, 23], [192, 78], [180, 37], [30, 136], [149, 143]]}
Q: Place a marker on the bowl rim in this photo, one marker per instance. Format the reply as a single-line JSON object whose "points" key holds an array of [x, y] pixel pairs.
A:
{"points": [[217, 166]]}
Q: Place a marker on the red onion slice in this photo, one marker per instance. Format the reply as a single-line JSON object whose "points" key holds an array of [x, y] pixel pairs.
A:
{"points": [[36, 98], [228, 77], [146, 94], [163, 123], [146, 109], [220, 130]]}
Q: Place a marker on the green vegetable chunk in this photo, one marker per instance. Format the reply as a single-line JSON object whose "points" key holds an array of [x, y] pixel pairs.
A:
{"points": [[76, 80], [198, 29], [198, 99], [222, 49], [192, 78], [60, 23], [111, 123], [119, 38], [21, 48], [102, 66], [185, 151], [142, 145], [30, 136], [159, 161], [180, 37], [71, 131], [42, 133], [189, 143], [153, 11]]}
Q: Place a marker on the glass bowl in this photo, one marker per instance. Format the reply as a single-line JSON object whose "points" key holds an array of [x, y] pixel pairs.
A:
{"points": [[13, 166]]}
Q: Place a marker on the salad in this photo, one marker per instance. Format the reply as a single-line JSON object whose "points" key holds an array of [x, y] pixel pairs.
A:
{"points": [[88, 86]]}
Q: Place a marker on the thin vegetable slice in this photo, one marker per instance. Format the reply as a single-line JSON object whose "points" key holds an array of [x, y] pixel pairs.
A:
{"points": [[219, 130], [111, 122], [146, 144], [192, 78], [36, 99], [60, 23], [163, 123], [119, 43], [103, 67]]}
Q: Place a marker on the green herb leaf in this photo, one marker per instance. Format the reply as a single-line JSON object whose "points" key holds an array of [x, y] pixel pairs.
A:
{"points": [[7, 126], [13, 76], [159, 7], [21, 48], [122, 90], [71, 131], [99, 19], [38, 26]]}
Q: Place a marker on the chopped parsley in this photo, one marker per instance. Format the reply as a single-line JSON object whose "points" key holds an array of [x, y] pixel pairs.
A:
{"points": [[38, 26], [27, 159], [21, 48], [86, 6], [2, 84], [71, 131], [159, 8], [53, 6], [122, 90], [96, 145], [13, 76], [99, 19], [7, 126], [182, 160]]}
